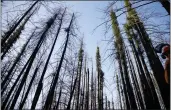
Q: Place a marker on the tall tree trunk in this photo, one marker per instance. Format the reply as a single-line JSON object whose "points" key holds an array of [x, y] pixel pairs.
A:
{"points": [[79, 75], [106, 102], [14, 37], [84, 88], [140, 98], [3, 90], [32, 57], [117, 84], [109, 105], [121, 50], [100, 76], [127, 102], [29, 87], [8, 33], [59, 97], [71, 94], [51, 91], [5, 69], [153, 59], [15, 62], [113, 107], [151, 96], [80, 60], [95, 96], [88, 90], [166, 5], [92, 90], [12, 88], [39, 87]]}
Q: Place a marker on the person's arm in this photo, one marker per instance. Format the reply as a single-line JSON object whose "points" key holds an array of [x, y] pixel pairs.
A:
{"points": [[166, 71]]}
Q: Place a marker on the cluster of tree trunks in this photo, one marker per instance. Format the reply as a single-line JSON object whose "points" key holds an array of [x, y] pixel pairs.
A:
{"points": [[138, 86], [140, 89]]}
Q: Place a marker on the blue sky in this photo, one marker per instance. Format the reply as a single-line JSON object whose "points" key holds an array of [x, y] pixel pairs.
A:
{"points": [[90, 17]]}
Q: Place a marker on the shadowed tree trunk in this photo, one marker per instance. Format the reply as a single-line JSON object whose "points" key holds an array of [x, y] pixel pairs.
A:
{"points": [[39, 87], [15, 62], [121, 51], [12, 88], [79, 76], [80, 60], [166, 5], [153, 59], [92, 90], [51, 91], [100, 76], [32, 57], [71, 90], [106, 102], [117, 84], [29, 87], [87, 90], [145, 77], [59, 97], [9, 32], [14, 37], [113, 107]]}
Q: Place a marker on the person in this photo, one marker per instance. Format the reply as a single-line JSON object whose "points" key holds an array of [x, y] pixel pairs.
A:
{"points": [[164, 50], [166, 54]]}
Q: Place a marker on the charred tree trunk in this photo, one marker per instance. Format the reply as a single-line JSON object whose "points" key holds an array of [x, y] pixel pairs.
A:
{"points": [[15, 62], [59, 97], [92, 90], [87, 90], [95, 96], [51, 91], [8, 33], [14, 37], [100, 76], [117, 84], [123, 83], [79, 76], [113, 107], [122, 57], [39, 87], [153, 59], [106, 102], [32, 57], [140, 98], [29, 87], [71, 94], [12, 88], [151, 98], [166, 5]]}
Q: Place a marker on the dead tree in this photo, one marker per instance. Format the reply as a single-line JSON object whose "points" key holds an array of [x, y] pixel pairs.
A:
{"points": [[15, 36], [15, 62], [31, 59], [39, 87], [9, 32], [52, 88]]}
